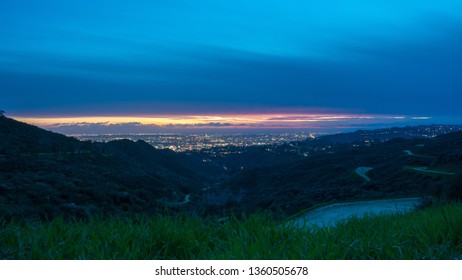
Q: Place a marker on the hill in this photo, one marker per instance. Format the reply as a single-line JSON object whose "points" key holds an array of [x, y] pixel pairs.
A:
{"points": [[385, 134], [21, 138], [399, 167], [45, 174]]}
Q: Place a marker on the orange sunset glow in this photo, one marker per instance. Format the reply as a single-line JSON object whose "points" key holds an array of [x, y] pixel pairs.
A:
{"points": [[235, 120]]}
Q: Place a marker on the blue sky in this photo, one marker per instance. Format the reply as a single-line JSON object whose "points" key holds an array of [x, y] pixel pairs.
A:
{"points": [[78, 58]]}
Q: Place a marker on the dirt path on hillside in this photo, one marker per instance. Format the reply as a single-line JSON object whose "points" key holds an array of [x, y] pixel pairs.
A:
{"points": [[362, 171], [331, 214], [424, 169], [409, 152]]}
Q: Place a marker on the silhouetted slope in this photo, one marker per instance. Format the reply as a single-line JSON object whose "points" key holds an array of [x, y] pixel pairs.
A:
{"points": [[145, 156], [46, 174], [18, 137], [385, 134]]}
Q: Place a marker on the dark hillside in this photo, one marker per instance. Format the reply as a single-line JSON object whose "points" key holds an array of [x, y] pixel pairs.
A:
{"points": [[385, 134], [20, 138], [294, 186], [45, 174], [145, 156]]}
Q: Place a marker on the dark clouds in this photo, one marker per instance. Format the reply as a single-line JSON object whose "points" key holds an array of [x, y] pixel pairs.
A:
{"points": [[386, 58]]}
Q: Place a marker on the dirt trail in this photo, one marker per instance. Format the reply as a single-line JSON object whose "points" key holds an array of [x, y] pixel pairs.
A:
{"points": [[409, 152], [424, 169], [362, 171]]}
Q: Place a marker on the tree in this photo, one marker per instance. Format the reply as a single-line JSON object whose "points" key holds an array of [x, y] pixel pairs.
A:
{"points": [[2, 113]]}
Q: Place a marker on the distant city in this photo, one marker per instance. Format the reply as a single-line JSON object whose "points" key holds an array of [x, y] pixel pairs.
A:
{"points": [[196, 142]]}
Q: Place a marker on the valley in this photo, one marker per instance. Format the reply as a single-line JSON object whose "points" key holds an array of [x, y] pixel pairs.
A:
{"points": [[44, 174]]}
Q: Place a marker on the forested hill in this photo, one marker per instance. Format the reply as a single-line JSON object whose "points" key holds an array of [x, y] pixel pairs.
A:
{"points": [[46, 174]]}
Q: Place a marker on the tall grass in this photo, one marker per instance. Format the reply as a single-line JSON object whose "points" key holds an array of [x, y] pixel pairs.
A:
{"points": [[432, 233]]}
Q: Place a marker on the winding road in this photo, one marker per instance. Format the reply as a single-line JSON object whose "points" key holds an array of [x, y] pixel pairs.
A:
{"points": [[330, 215]]}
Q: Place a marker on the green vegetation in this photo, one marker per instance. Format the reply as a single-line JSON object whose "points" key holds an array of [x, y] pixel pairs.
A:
{"points": [[431, 233]]}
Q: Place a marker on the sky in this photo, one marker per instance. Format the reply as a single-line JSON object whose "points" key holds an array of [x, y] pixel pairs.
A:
{"points": [[85, 65]]}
